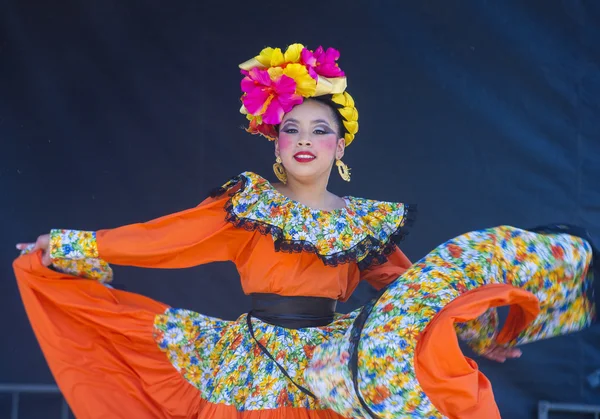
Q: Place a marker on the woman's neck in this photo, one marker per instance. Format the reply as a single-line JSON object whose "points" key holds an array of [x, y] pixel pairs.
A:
{"points": [[313, 194]]}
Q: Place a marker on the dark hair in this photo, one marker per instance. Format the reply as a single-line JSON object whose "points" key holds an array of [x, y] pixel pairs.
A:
{"points": [[327, 100]]}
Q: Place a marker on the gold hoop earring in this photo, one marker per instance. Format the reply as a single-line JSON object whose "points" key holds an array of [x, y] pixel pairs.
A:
{"points": [[280, 170], [343, 170]]}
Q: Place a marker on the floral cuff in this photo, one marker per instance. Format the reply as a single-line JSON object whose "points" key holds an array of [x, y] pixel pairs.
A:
{"points": [[95, 269], [89, 268], [73, 244]]}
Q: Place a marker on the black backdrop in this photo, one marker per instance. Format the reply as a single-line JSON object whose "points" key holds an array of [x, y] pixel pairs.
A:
{"points": [[483, 113]]}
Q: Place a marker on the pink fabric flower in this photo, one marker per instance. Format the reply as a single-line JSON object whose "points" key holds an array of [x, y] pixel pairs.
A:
{"points": [[308, 59], [326, 62], [269, 98]]}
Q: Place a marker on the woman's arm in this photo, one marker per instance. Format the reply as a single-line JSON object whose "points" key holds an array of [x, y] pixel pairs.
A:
{"points": [[187, 238]]}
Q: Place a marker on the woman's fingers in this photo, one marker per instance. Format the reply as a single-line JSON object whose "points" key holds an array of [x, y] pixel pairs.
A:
{"points": [[32, 247], [501, 354], [42, 242], [494, 355], [46, 261], [513, 353]]}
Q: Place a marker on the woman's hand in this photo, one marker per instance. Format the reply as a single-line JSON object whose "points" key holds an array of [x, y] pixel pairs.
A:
{"points": [[501, 353], [42, 242]]}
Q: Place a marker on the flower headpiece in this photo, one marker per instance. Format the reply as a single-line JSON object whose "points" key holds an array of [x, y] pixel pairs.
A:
{"points": [[275, 82]]}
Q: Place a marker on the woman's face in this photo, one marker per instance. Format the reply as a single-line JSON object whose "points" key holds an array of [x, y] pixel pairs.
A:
{"points": [[308, 142]]}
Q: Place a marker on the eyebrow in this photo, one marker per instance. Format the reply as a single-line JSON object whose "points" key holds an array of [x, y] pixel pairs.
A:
{"points": [[316, 121]]}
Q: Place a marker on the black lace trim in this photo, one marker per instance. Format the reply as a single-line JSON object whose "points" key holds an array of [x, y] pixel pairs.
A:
{"points": [[376, 250]]}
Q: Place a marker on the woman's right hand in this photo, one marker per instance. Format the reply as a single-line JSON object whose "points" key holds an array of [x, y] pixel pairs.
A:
{"points": [[501, 353], [42, 242]]}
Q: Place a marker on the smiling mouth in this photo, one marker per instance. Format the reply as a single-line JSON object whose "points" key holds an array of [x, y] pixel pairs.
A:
{"points": [[304, 157]]}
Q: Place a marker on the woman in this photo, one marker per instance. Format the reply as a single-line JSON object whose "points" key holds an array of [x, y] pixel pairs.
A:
{"points": [[298, 249]]}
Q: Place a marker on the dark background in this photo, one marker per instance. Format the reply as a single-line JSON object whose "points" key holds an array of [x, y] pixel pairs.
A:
{"points": [[482, 112]]}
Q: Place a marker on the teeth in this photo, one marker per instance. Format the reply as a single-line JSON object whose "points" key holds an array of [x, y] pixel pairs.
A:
{"points": [[305, 156]]}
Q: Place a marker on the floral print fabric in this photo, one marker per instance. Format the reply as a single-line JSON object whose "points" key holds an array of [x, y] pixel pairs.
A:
{"points": [[479, 333], [553, 267], [73, 244], [224, 363], [221, 359], [87, 267], [362, 231]]}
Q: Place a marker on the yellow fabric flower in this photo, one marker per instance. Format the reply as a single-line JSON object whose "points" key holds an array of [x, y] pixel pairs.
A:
{"points": [[292, 54], [270, 57], [275, 72], [306, 86]]}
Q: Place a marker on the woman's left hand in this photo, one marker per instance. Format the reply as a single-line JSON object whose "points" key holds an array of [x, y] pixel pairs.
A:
{"points": [[42, 242], [500, 353]]}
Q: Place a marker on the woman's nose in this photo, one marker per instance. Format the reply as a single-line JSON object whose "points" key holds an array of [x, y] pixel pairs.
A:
{"points": [[304, 140]]}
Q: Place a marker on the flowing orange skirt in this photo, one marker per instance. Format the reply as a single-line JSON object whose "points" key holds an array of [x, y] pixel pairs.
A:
{"points": [[100, 346]]}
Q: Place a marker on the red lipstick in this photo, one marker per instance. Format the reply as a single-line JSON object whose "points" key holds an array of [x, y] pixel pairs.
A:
{"points": [[304, 156]]}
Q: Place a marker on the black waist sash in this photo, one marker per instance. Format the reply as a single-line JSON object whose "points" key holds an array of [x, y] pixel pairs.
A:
{"points": [[291, 313]]}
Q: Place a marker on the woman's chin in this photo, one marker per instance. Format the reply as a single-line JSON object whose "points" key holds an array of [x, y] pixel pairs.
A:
{"points": [[306, 171]]}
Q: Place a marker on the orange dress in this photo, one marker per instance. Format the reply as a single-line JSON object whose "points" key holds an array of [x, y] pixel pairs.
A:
{"points": [[116, 354]]}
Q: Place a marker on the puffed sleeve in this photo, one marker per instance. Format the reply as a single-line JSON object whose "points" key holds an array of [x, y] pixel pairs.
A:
{"points": [[381, 275], [188, 238]]}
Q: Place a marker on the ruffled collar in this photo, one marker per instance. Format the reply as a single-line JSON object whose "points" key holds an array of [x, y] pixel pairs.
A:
{"points": [[364, 231]]}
